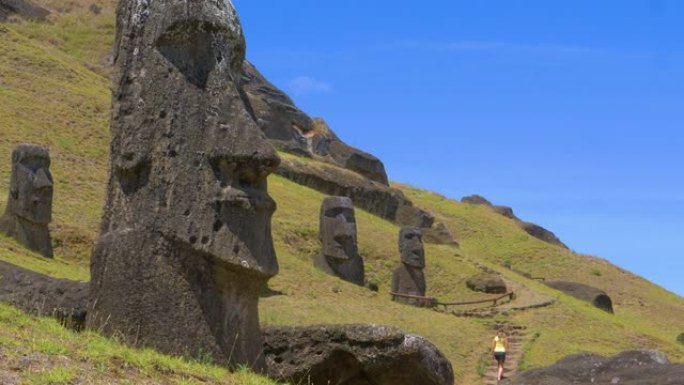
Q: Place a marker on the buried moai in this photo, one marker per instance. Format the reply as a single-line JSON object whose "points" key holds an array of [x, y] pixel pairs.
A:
{"points": [[408, 279], [185, 242], [29, 204], [339, 254]]}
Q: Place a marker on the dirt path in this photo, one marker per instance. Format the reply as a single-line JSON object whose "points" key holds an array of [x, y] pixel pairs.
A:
{"points": [[525, 298], [517, 336]]}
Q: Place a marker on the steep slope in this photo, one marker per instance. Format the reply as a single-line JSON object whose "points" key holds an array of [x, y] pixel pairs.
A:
{"points": [[49, 95]]}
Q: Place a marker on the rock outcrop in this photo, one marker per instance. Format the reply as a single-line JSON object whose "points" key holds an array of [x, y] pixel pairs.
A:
{"points": [[353, 355], [41, 295], [339, 254], [409, 279], [530, 228], [439, 234], [29, 204], [291, 130], [374, 197], [680, 338], [596, 297], [22, 8], [487, 283], [628, 368], [185, 241]]}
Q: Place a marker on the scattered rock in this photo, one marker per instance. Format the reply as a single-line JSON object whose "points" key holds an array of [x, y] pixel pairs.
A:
{"points": [[408, 278], [291, 130], [29, 204], [353, 355], [376, 198], [339, 255], [439, 234], [596, 297], [41, 295], [22, 8], [487, 283], [95, 9], [185, 242], [530, 228], [642, 367], [681, 338]]}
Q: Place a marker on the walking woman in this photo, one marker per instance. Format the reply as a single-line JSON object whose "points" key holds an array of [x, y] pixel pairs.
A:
{"points": [[500, 344]]}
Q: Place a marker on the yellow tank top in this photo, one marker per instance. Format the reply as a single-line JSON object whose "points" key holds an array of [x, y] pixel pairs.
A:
{"points": [[499, 347]]}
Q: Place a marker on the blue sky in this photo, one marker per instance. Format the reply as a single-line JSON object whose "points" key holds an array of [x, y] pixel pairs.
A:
{"points": [[571, 112]]}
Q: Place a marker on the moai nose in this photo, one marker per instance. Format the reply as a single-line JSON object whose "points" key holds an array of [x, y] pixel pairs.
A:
{"points": [[42, 180]]}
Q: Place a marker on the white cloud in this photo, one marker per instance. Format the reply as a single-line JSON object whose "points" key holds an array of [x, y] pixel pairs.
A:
{"points": [[308, 85]]}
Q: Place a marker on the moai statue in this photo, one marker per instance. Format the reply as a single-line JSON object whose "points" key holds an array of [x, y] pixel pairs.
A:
{"points": [[185, 242], [409, 279], [29, 205], [339, 255]]}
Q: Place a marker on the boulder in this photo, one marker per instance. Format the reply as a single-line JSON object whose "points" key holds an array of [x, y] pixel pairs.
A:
{"points": [[487, 283], [291, 130], [22, 8], [680, 338], [542, 233], [42, 295], [476, 200], [185, 243], [29, 204], [353, 355], [439, 234], [642, 367], [596, 297]]}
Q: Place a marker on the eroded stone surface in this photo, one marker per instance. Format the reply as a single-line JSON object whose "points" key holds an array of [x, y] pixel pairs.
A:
{"points": [[643, 367], [29, 204], [409, 278], [339, 254], [353, 355], [487, 283], [596, 297], [44, 296], [185, 241], [22, 8]]}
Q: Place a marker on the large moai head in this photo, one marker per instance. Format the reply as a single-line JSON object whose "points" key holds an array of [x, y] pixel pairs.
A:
{"points": [[411, 247], [339, 254], [188, 217], [337, 230], [29, 205]]}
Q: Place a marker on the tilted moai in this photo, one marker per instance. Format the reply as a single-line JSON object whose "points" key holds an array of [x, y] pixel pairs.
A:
{"points": [[339, 254], [29, 205], [409, 279], [185, 242]]}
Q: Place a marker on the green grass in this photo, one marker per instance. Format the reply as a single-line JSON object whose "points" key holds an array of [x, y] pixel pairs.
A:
{"points": [[52, 92]]}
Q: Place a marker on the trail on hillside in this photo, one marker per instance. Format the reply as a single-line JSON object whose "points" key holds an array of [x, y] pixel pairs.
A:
{"points": [[517, 336]]}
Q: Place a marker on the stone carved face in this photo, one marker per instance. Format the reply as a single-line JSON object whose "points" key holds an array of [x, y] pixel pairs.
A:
{"points": [[31, 185], [411, 247], [338, 229], [188, 161]]}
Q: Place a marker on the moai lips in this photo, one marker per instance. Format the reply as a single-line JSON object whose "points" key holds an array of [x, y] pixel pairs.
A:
{"points": [[29, 205], [185, 243], [339, 255]]}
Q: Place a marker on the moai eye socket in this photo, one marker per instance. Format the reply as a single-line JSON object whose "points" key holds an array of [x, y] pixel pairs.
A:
{"points": [[133, 176]]}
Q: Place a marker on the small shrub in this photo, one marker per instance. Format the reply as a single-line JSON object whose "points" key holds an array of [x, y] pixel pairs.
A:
{"points": [[55, 376], [596, 272]]}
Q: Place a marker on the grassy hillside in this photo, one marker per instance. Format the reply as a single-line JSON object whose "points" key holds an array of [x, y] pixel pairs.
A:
{"points": [[54, 90]]}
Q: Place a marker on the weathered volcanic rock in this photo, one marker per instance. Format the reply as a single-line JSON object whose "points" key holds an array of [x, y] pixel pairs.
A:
{"points": [[29, 204], [627, 368], [353, 355], [22, 8], [530, 228], [339, 254], [185, 242], [376, 198], [409, 278], [487, 283], [596, 297], [680, 338], [290, 129], [439, 234], [44, 296]]}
